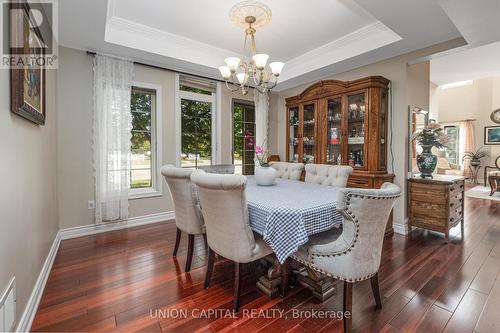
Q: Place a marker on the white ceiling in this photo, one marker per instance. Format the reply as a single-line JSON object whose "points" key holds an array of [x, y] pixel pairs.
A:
{"points": [[315, 38], [319, 22], [471, 64]]}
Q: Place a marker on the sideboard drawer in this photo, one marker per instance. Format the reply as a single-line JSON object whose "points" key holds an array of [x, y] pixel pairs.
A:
{"points": [[436, 204]]}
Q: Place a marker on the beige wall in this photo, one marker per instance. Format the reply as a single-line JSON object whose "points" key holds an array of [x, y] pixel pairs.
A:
{"points": [[76, 185], [475, 101], [28, 202], [396, 70]]}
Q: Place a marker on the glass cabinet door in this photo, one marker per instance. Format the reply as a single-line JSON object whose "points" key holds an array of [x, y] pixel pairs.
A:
{"points": [[309, 133], [333, 133], [356, 111], [294, 135]]}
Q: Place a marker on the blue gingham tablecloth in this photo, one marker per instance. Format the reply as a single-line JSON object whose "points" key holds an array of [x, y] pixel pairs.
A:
{"points": [[286, 213]]}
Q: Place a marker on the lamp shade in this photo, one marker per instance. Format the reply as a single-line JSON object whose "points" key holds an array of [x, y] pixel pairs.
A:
{"points": [[276, 67], [260, 60], [225, 72], [232, 63], [242, 78]]}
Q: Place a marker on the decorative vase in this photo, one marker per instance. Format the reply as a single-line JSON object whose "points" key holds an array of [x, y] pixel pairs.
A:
{"points": [[265, 176], [426, 162], [475, 163]]}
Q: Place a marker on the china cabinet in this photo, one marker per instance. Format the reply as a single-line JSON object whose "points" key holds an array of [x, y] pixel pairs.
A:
{"points": [[342, 123]]}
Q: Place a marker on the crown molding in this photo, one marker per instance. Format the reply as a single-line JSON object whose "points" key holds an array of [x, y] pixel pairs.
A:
{"points": [[363, 40]]}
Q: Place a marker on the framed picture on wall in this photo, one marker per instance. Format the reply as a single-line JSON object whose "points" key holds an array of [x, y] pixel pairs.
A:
{"points": [[27, 80], [492, 135]]}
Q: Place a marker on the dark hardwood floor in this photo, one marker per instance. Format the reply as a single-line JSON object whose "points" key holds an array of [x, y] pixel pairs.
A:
{"points": [[118, 280]]}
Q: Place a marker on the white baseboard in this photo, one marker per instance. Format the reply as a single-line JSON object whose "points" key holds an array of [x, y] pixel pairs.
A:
{"points": [[28, 315], [92, 229], [24, 324], [400, 228]]}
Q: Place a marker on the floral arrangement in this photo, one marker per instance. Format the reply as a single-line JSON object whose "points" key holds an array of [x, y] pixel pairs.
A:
{"points": [[261, 153], [432, 135]]}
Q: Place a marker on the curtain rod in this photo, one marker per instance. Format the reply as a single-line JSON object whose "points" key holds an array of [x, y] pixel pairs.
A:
{"points": [[167, 69]]}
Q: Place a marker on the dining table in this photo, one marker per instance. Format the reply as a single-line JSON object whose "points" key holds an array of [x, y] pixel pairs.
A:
{"points": [[286, 214]]}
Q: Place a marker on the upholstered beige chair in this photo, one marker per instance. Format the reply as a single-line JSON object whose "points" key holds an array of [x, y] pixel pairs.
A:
{"points": [[286, 170], [226, 218], [444, 167], [218, 168], [188, 216], [355, 254], [331, 175]]}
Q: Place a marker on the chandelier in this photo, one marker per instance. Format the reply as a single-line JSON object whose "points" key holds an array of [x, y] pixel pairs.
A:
{"points": [[238, 72]]}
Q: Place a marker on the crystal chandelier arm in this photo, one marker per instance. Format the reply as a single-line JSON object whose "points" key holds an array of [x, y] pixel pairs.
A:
{"points": [[274, 84]]}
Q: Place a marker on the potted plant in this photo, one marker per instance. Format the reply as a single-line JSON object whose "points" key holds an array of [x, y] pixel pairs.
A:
{"points": [[431, 136], [265, 175], [475, 157]]}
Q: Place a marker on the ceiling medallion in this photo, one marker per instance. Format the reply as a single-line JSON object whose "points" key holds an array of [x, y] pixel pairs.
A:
{"points": [[237, 72]]}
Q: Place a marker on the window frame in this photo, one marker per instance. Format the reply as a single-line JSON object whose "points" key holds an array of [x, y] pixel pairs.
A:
{"points": [[215, 99], [241, 102], [156, 190]]}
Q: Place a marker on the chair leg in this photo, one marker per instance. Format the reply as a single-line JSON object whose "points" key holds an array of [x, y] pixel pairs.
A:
{"points": [[376, 291], [237, 286], [205, 240], [347, 307], [189, 258], [285, 273], [210, 267], [177, 241]]}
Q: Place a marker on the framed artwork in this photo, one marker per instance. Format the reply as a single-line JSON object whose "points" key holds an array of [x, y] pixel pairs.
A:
{"points": [[492, 135], [27, 83]]}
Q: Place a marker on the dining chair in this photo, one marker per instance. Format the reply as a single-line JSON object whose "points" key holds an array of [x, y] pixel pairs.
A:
{"points": [[229, 235], [356, 253], [287, 170], [218, 168], [331, 175], [188, 215]]}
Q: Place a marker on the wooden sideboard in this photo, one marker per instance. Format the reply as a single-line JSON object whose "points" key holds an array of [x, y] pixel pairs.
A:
{"points": [[436, 204]]}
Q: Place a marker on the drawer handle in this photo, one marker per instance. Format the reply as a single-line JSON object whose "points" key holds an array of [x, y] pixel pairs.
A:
{"points": [[452, 204]]}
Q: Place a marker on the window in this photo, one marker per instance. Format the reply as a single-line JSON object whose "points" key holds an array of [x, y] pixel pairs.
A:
{"points": [[243, 125], [452, 147], [144, 106], [197, 122]]}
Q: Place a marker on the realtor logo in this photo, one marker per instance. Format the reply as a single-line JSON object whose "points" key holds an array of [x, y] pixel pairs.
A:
{"points": [[29, 34]]}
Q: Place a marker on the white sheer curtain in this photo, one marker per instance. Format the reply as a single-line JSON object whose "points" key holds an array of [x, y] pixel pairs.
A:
{"points": [[466, 142], [261, 117], [112, 127]]}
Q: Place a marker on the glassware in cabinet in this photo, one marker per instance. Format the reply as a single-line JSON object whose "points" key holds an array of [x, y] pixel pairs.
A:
{"points": [[334, 132], [309, 133], [294, 134], [356, 112]]}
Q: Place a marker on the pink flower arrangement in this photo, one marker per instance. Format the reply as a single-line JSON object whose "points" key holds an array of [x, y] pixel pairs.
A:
{"points": [[261, 153]]}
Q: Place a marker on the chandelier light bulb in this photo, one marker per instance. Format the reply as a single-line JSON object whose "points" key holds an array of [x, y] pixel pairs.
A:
{"points": [[225, 72], [276, 67], [232, 63], [260, 60]]}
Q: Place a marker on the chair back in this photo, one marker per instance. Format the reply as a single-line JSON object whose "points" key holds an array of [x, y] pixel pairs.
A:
{"points": [[356, 255], [219, 168], [225, 212], [330, 175], [188, 216], [287, 170]]}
